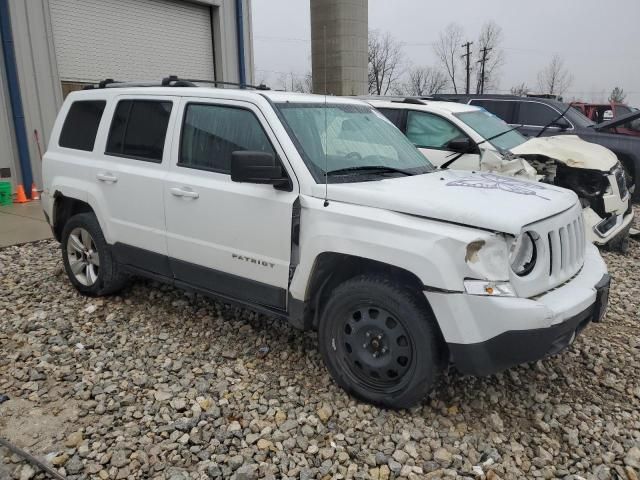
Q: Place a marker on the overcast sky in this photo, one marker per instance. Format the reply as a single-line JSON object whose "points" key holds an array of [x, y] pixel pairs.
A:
{"points": [[597, 39]]}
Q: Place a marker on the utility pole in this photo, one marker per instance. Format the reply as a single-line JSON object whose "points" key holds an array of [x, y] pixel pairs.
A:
{"points": [[482, 63], [468, 55]]}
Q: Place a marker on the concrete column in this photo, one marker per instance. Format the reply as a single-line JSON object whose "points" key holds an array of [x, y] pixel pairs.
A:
{"points": [[342, 59]]}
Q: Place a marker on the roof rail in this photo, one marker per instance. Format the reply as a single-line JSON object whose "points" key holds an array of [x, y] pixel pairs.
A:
{"points": [[170, 81]]}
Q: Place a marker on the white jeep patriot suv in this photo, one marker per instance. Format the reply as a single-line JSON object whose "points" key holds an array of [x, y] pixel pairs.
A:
{"points": [[320, 211]]}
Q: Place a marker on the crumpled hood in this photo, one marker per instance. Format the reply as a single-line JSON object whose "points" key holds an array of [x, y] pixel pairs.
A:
{"points": [[570, 150], [484, 200]]}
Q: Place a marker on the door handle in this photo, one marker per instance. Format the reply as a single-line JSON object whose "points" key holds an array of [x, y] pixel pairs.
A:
{"points": [[181, 192], [106, 177]]}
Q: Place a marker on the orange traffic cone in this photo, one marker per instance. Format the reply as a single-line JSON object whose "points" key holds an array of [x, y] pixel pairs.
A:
{"points": [[20, 195], [35, 195]]}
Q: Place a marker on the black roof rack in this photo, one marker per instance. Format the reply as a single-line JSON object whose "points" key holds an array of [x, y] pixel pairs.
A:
{"points": [[170, 81]]}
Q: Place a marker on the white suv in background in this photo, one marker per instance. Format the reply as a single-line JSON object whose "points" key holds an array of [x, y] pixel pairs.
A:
{"points": [[468, 137], [321, 212]]}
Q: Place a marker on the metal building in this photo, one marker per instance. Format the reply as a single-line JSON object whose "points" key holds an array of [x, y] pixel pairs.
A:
{"points": [[52, 47]]}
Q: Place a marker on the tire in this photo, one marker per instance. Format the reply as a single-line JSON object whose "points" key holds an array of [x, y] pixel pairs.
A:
{"points": [[87, 257], [391, 358]]}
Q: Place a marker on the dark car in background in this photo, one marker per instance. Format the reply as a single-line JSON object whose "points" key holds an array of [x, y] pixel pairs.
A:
{"points": [[542, 116]]}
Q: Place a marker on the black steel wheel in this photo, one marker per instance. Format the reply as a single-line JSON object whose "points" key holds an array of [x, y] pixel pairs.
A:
{"points": [[375, 347], [380, 342]]}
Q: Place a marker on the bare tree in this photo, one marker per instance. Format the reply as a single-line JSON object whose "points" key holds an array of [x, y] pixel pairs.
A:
{"points": [[447, 49], [425, 81], [293, 82], [617, 95], [520, 90], [385, 59], [554, 79], [489, 41]]}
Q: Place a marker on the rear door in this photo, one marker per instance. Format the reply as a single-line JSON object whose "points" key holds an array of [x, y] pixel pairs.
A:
{"points": [[128, 174], [233, 239], [431, 134]]}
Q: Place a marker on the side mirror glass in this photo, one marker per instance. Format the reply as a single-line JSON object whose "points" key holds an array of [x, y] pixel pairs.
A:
{"points": [[461, 145], [257, 167]]}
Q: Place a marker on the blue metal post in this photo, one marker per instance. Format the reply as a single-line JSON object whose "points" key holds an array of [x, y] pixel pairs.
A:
{"points": [[240, 31], [13, 86]]}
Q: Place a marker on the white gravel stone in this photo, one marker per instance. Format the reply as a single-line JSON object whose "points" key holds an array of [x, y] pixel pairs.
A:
{"points": [[174, 385]]}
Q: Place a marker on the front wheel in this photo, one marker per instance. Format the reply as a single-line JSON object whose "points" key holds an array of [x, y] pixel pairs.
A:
{"points": [[87, 257], [380, 342]]}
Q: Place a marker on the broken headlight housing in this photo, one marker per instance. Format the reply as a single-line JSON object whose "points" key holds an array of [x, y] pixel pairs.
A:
{"points": [[588, 184], [523, 254]]}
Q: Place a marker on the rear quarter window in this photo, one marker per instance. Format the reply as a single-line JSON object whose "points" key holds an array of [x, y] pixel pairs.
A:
{"points": [[81, 125]]}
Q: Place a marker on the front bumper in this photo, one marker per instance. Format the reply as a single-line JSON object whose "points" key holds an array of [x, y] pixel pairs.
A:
{"points": [[612, 235], [489, 334]]}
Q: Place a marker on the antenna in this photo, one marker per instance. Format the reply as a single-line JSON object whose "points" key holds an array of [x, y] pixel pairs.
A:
{"points": [[326, 130]]}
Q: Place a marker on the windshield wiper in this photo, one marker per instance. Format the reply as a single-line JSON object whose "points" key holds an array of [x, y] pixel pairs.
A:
{"points": [[372, 168], [544, 129], [445, 165]]}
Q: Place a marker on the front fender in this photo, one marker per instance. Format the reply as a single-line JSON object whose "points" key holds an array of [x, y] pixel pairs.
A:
{"points": [[433, 251]]}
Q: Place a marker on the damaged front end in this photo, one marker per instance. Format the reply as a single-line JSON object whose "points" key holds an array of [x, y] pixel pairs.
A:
{"points": [[595, 175]]}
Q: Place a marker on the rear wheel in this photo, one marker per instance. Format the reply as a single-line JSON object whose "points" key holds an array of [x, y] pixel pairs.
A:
{"points": [[87, 257], [380, 342]]}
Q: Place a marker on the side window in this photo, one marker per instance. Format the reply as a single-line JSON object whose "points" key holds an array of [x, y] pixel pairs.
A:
{"points": [[393, 115], [500, 108], [430, 131], [536, 114], [211, 133], [138, 129], [81, 125]]}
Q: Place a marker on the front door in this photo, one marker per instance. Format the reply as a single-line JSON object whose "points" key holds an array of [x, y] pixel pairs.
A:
{"points": [[232, 239], [432, 134]]}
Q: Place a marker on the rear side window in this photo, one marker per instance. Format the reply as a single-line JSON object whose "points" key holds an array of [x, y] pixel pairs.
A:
{"points": [[536, 114], [211, 133], [81, 125], [430, 131], [500, 108], [138, 129]]}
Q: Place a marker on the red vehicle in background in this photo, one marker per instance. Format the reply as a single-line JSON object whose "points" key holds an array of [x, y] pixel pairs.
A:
{"points": [[611, 117], [602, 112]]}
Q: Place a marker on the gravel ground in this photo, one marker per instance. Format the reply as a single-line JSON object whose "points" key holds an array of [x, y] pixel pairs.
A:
{"points": [[156, 383]]}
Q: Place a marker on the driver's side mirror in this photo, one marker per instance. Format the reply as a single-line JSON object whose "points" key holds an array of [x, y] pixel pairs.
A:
{"points": [[562, 124], [461, 145], [257, 167]]}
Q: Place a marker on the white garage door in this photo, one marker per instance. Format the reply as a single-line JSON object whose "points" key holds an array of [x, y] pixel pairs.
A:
{"points": [[131, 39]]}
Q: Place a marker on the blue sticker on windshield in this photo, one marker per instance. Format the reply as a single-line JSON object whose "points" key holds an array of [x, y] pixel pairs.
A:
{"points": [[495, 182]]}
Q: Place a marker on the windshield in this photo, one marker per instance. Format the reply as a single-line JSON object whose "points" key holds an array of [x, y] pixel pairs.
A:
{"points": [[488, 125], [355, 136]]}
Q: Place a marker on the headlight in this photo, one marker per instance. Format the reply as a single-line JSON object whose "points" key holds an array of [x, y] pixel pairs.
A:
{"points": [[523, 254]]}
